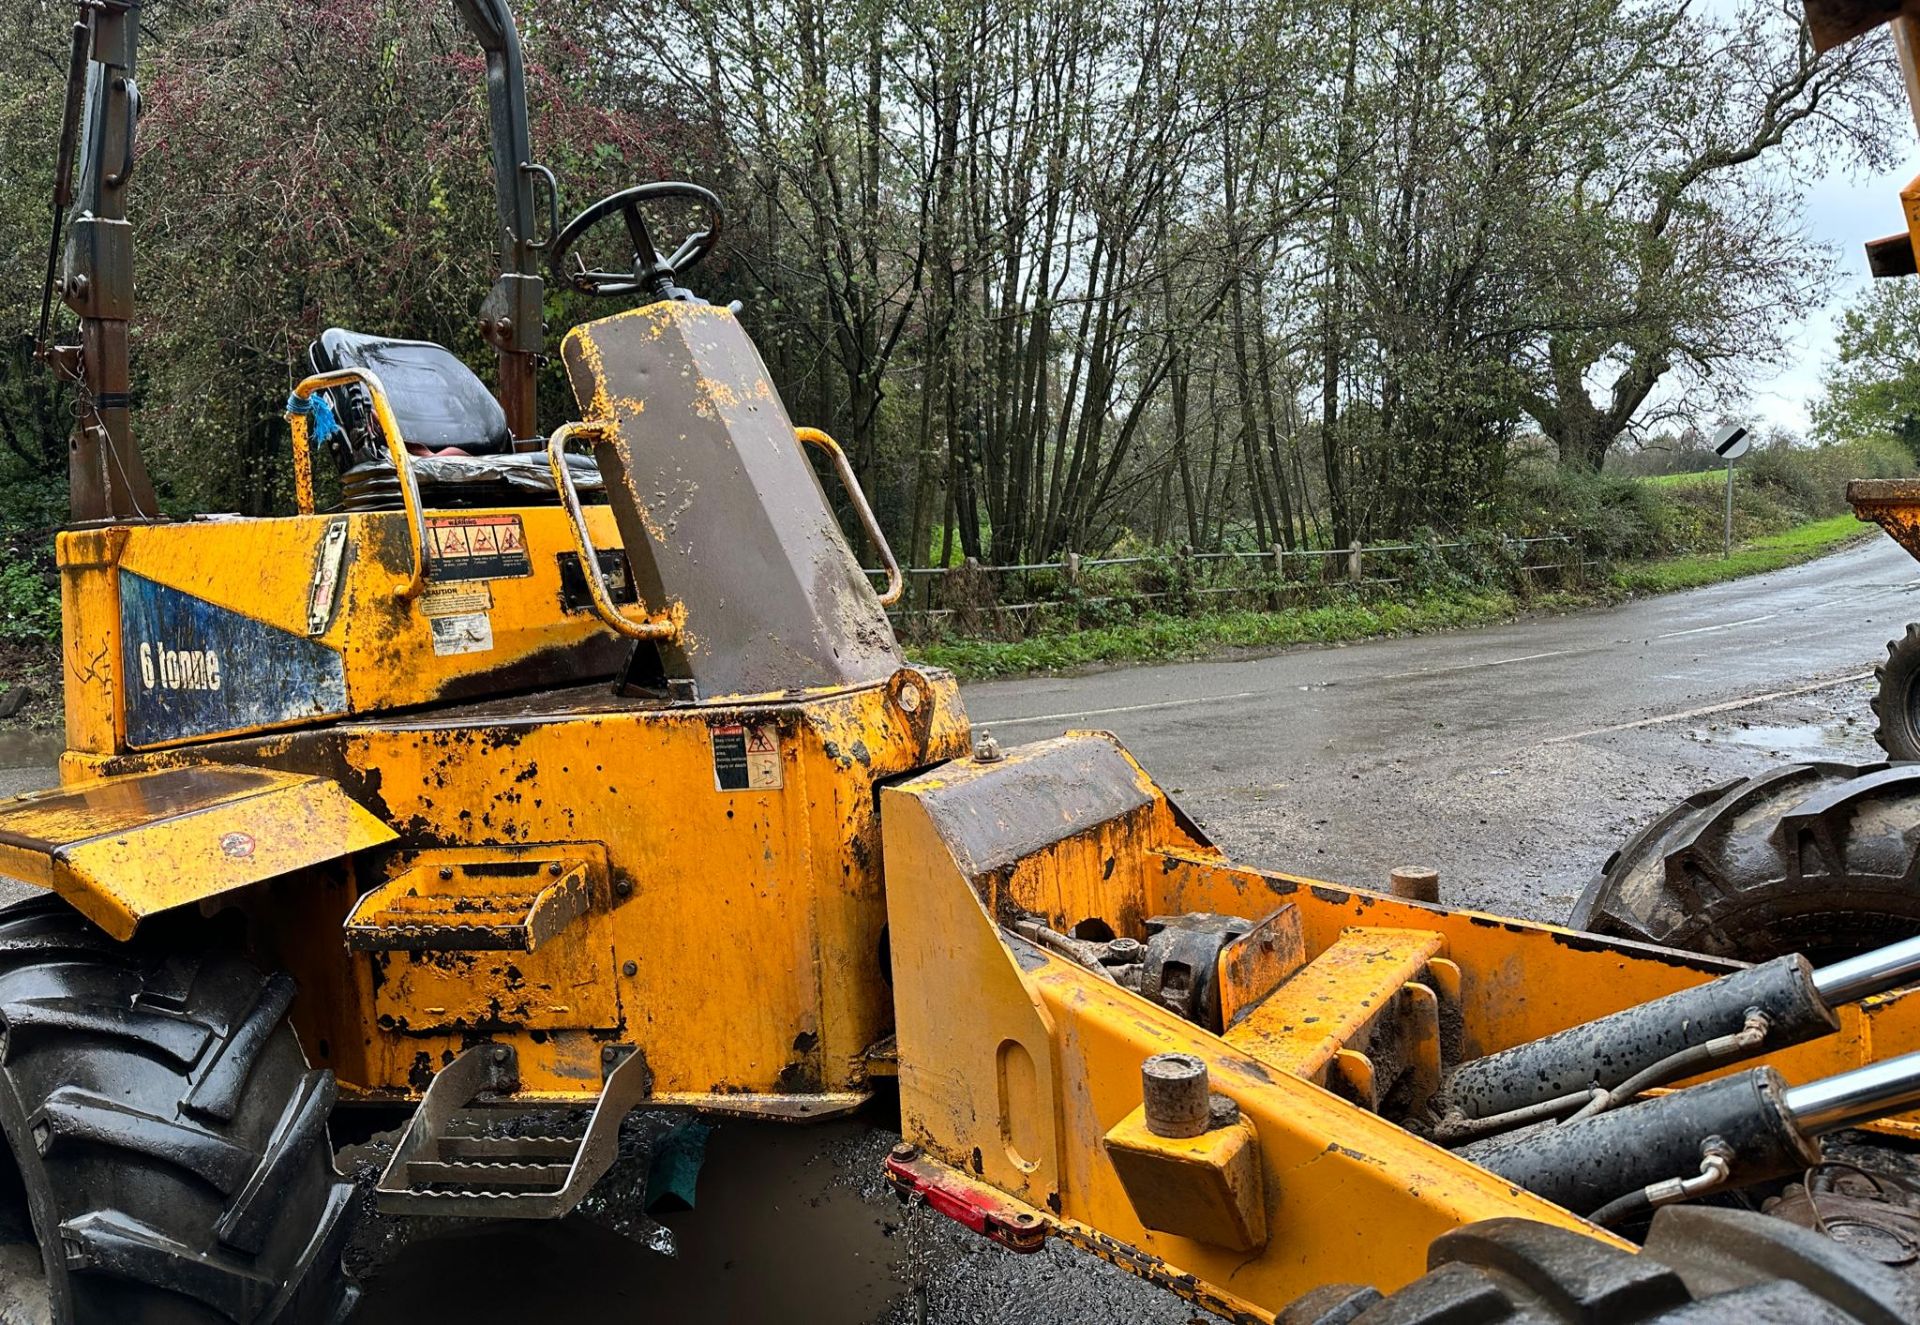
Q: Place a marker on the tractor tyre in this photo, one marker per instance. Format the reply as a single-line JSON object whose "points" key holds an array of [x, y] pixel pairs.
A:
{"points": [[167, 1157], [1896, 697], [1820, 858], [1700, 1267]]}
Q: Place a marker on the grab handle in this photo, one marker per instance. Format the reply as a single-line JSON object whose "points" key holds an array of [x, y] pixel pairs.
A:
{"points": [[663, 626], [416, 581], [895, 581]]}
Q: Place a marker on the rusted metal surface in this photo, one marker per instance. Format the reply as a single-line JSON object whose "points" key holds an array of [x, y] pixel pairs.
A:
{"points": [[1019, 1057], [446, 1166], [1259, 961], [106, 473], [719, 510], [1874, 1213], [1417, 883], [121, 849], [1891, 503], [511, 900], [777, 884]]}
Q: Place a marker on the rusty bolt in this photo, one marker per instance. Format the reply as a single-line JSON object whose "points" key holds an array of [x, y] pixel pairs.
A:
{"points": [[1416, 883], [986, 750], [630, 969], [623, 886], [1122, 951], [500, 1054], [607, 1054], [554, 869], [77, 285], [1174, 1089], [446, 872], [906, 1150]]}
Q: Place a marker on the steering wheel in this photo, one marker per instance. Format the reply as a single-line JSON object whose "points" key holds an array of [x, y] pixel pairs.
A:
{"points": [[652, 273]]}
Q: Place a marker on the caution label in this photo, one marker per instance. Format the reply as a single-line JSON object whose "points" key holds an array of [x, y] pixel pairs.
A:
{"points": [[477, 547], [456, 600], [747, 757]]}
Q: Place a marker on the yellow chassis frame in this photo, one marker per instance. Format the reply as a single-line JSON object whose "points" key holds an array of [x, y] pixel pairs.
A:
{"points": [[1020, 1068]]}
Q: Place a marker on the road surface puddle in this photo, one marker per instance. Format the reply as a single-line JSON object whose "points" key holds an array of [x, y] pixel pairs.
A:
{"points": [[777, 1234], [1811, 741]]}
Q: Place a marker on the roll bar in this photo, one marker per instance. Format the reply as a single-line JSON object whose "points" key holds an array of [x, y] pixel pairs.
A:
{"points": [[93, 273]]}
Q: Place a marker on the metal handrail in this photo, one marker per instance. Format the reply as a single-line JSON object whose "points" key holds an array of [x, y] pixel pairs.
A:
{"points": [[896, 582], [416, 581], [649, 627]]}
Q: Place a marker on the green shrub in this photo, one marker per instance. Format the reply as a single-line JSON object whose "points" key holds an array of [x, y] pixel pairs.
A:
{"points": [[1613, 517], [29, 603]]}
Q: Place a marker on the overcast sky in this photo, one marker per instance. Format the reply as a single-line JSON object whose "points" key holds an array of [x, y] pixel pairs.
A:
{"points": [[1844, 213]]}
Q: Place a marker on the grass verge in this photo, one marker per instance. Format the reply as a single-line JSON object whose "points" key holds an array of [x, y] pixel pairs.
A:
{"points": [[1158, 638], [1155, 638], [1801, 543]]}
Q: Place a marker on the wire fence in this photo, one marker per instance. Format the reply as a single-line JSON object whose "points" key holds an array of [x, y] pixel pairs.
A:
{"points": [[975, 598]]}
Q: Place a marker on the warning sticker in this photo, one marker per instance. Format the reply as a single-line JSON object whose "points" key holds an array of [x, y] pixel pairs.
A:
{"points": [[747, 758], [456, 600], [477, 547], [462, 634]]}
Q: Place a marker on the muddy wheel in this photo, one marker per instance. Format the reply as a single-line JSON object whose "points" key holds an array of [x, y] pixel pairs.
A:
{"points": [[1896, 697], [1813, 858], [167, 1157], [1700, 1266]]}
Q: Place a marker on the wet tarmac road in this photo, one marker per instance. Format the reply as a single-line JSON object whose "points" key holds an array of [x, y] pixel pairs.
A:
{"points": [[1513, 759]]}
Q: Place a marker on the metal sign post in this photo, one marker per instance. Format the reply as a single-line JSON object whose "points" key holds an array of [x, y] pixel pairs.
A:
{"points": [[1730, 443]]}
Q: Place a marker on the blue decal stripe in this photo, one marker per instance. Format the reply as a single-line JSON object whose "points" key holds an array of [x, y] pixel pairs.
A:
{"points": [[194, 669]]}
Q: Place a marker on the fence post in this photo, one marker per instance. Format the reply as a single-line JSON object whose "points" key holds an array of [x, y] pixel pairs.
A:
{"points": [[1073, 569], [1354, 572]]}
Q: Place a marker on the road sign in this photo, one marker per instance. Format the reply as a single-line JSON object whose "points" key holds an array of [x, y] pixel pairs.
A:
{"points": [[1730, 442]]}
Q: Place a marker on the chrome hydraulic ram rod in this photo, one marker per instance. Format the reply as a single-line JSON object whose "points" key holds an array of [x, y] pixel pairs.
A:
{"points": [[1793, 1002], [1870, 973], [1758, 1125], [1855, 1097]]}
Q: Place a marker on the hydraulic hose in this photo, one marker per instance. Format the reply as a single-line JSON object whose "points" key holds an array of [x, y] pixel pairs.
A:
{"points": [[1749, 1012], [1750, 1126]]}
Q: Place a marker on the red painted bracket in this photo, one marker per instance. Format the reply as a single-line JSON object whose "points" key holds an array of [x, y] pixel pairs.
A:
{"points": [[948, 1191]]}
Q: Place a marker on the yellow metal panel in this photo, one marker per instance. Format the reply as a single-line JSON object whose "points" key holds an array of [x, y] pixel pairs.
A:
{"points": [[744, 946], [1329, 1003], [962, 993], [267, 570], [121, 849], [90, 632], [1205, 1187], [1519, 980]]}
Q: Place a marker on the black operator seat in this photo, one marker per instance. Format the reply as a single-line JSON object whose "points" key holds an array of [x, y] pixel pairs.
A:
{"points": [[437, 400]]}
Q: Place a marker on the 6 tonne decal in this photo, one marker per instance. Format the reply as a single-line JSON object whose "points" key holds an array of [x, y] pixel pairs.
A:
{"points": [[194, 669]]}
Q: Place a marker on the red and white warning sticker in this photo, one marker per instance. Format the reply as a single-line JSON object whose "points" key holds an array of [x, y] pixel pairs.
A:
{"points": [[746, 757], [476, 547]]}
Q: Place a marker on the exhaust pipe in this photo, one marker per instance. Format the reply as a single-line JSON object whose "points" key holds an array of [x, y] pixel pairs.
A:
{"points": [[1735, 1130], [1741, 1015]]}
